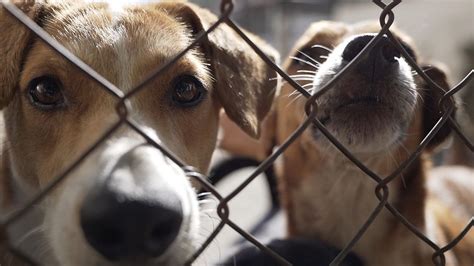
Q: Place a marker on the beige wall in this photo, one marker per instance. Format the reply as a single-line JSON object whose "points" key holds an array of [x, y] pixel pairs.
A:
{"points": [[441, 28]]}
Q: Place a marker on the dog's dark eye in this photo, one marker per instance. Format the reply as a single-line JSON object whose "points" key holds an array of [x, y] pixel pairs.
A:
{"points": [[188, 91], [45, 92]]}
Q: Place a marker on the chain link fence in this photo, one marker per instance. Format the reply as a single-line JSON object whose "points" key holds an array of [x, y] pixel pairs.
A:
{"points": [[386, 19]]}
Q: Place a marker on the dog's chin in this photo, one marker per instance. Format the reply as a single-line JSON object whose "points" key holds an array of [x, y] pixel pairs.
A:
{"points": [[364, 126]]}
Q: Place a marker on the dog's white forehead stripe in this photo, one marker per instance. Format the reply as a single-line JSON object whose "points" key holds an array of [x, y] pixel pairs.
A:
{"points": [[82, 30], [105, 29]]}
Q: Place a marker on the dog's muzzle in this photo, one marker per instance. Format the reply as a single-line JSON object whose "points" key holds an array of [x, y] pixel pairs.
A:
{"points": [[134, 213]]}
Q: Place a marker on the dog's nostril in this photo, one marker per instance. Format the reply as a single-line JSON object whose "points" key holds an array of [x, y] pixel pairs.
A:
{"points": [[109, 236], [355, 46], [162, 235], [120, 229]]}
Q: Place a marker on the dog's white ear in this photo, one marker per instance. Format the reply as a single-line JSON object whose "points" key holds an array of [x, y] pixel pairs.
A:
{"points": [[14, 42], [245, 84]]}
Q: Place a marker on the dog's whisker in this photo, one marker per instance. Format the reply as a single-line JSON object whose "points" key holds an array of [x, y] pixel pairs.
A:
{"points": [[310, 58], [209, 199], [204, 233], [415, 73], [202, 194], [304, 61], [402, 177], [306, 71], [302, 76], [294, 100], [295, 92], [327, 49], [303, 79], [211, 218]]}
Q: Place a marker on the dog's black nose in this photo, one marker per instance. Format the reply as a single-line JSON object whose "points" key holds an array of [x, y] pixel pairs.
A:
{"points": [[121, 226], [384, 52]]}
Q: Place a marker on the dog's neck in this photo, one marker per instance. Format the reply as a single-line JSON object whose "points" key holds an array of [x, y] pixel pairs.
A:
{"points": [[334, 203]]}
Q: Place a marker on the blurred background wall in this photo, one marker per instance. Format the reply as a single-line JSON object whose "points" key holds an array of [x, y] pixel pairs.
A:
{"points": [[442, 29]]}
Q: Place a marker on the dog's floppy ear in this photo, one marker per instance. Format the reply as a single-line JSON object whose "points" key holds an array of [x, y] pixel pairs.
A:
{"points": [[431, 101], [245, 84], [14, 40]]}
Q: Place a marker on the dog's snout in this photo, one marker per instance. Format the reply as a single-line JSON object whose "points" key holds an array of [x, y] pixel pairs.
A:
{"points": [[121, 227], [383, 54]]}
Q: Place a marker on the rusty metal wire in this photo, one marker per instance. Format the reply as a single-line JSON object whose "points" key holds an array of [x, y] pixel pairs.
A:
{"points": [[386, 19]]}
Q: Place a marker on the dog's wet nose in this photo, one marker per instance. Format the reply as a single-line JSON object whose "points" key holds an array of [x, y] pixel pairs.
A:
{"points": [[121, 226], [383, 54]]}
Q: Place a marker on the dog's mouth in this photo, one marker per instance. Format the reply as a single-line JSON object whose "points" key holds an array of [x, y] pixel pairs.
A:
{"points": [[362, 102], [359, 106], [361, 122]]}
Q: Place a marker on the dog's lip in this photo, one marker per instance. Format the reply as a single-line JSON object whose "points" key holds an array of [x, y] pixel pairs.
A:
{"points": [[359, 101], [368, 100]]}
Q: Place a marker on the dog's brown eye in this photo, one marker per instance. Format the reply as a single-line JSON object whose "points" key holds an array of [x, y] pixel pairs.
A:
{"points": [[45, 92], [188, 91]]}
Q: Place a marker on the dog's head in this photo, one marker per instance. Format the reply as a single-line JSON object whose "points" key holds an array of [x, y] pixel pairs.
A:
{"points": [[126, 203], [380, 105]]}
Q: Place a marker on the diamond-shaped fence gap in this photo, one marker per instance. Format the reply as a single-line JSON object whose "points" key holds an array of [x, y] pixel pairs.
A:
{"points": [[208, 187], [239, 231], [454, 125], [360, 233], [439, 254], [271, 159]]}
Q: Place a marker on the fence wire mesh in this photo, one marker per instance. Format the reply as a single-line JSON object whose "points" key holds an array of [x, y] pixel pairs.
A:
{"points": [[386, 19]]}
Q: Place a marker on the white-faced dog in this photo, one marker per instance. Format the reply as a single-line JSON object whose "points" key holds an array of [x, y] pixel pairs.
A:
{"points": [[126, 203]]}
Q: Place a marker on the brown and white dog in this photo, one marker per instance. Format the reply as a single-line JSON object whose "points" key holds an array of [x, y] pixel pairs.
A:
{"points": [[127, 203], [380, 111]]}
